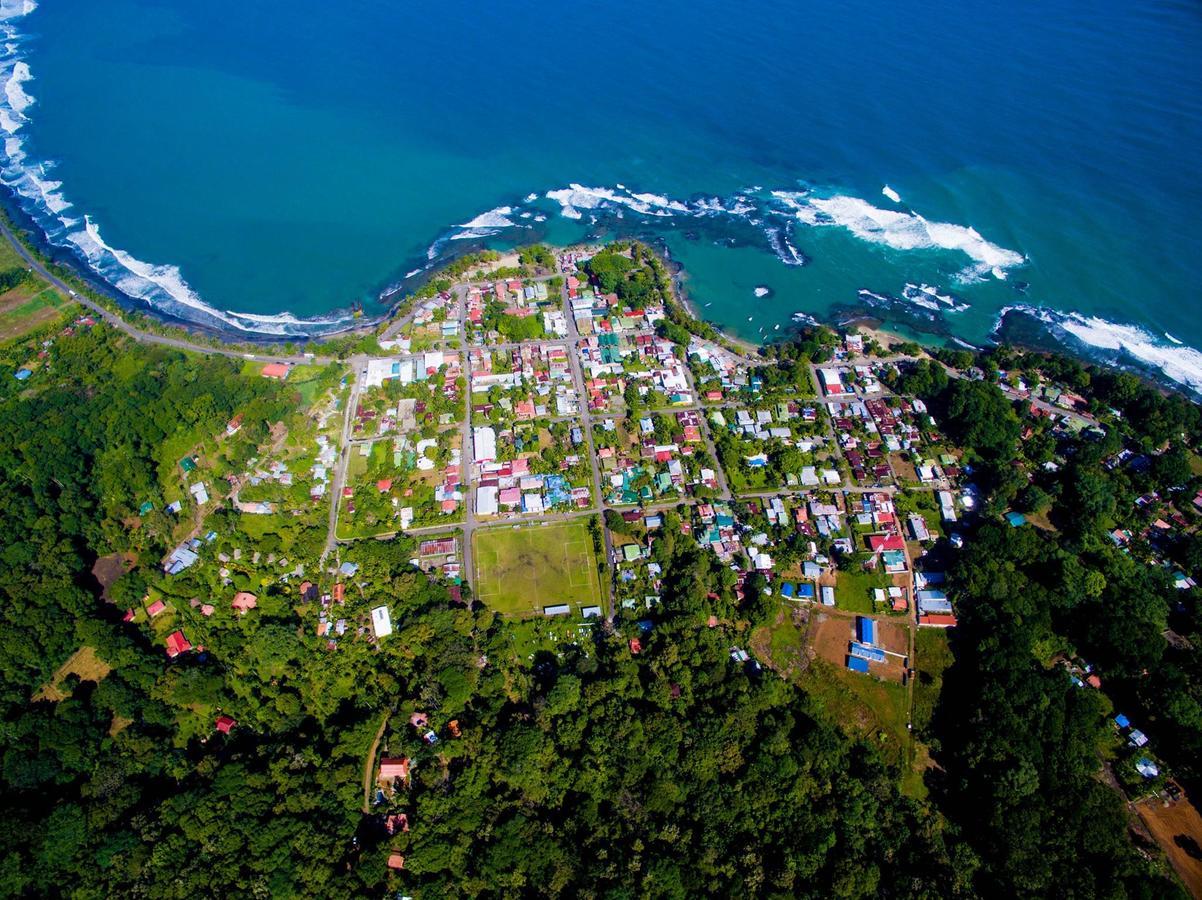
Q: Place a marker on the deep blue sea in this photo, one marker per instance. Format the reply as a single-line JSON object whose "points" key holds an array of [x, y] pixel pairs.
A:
{"points": [[934, 164]]}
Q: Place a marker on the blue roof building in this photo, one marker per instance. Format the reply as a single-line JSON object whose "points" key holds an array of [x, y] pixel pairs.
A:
{"points": [[866, 629], [1122, 721], [1016, 519], [22, 374], [869, 654], [857, 665], [805, 591], [787, 590]]}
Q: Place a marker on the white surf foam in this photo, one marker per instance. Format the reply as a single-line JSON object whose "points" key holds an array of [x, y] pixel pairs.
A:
{"points": [[1176, 362], [18, 99], [891, 194], [494, 218], [762, 291], [1173, 339], [910, 231]]}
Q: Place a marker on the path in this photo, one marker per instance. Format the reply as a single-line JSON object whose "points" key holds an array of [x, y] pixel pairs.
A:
{"points": [[369, 764]]}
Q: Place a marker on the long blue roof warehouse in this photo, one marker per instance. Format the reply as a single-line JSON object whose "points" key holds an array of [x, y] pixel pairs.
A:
{"points": [[866, 630]]}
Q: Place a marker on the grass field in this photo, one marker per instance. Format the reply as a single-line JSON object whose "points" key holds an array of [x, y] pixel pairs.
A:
{"points": [[518, 572], [931, 657], [853, 590]]}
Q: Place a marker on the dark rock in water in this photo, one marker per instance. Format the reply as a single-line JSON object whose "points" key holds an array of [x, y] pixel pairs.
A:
{"points": [[1021, 286], [691, 236]]}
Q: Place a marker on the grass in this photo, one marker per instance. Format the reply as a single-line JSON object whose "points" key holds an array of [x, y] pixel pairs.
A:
{"points": [[864, 707], [84, 663], [932, 656], [853, 590], [29, 307], [519, 572]]}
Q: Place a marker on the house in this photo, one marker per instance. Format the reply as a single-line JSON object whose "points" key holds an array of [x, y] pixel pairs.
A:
{"points": [[225, 724], [933, 602], [856, 664], [805, 592], [381, 622], [180, 559], [155, 608], [243, 601], [918, 528], [396, 861], [828, 595], [278, 371], [392, 768], [938, 621], [234, 425], [866, 630], [177, 644]]}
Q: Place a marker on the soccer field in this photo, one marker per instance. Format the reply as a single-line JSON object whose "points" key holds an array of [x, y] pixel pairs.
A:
{"points": [[519, 572]]}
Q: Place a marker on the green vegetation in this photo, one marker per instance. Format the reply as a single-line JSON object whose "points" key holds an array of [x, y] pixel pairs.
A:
{"points": [[639, 754], [853, 589], [524, 570]]}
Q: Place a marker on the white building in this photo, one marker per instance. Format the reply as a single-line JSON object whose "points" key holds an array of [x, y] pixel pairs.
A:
{"points": [[484, 439], [381, 622]]}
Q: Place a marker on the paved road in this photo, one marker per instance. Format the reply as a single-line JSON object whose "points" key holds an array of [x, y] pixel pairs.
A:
{"points": [[344, 453]]}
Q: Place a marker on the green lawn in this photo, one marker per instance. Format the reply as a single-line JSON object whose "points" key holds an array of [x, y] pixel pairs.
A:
{"points": [[853, 590], [518, 572]]}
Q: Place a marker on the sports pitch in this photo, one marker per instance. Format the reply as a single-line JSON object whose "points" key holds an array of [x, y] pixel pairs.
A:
{"points": [[519, 572]]}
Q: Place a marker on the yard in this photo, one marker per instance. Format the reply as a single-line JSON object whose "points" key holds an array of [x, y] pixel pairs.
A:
{"points": [[853, 590], [83, 663], [519, 571]]}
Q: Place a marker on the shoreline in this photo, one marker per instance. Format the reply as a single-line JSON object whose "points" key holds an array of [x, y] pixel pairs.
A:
{"points": [[28, 235]]}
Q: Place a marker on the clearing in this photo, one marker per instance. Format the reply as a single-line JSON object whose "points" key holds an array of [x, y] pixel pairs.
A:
{"points": [[1178, 829], [520, 571], [84, 663]]}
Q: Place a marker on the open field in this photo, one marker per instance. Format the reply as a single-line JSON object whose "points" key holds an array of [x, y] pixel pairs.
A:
{"points": [[932, 656], [520, 571], [863, 706], [1178, 830], [830, 635], [28, 307]]}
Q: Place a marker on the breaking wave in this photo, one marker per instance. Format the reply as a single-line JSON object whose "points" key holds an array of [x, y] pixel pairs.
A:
{"points": [[160, 287], [1120, 343]]}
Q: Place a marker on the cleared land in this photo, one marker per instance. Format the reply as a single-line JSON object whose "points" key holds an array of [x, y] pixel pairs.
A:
{"points": [[83, 663], [1178, 829], [521, 571], [28, 305]]}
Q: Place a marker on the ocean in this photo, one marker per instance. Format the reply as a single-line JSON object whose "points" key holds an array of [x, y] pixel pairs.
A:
{"points": [[947, 168]]}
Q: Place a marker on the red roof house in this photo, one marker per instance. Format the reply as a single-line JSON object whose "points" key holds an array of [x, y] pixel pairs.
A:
{"points": [[396, 861], [394, 768], [244, 600], [879, 542], [155, 608], [224, 724], [275, 370], [177, 644]]}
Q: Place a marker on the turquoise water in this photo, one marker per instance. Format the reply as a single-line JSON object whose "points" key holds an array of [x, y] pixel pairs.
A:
{"points": [[283, 160]]}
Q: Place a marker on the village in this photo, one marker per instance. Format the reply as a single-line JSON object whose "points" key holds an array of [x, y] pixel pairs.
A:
{"points": [[535, 437]]}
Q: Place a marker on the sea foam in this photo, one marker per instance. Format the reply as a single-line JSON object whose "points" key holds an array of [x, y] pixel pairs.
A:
{"points": [[1176, 362]]}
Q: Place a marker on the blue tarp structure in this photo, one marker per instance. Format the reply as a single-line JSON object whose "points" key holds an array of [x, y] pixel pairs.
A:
{"points": [[805, 591], [1122, 721], [857, 665], [1015, 519], [787, 590]]}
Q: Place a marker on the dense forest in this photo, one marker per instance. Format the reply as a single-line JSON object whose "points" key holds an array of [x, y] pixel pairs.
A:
{"points": [[672, 770]]}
